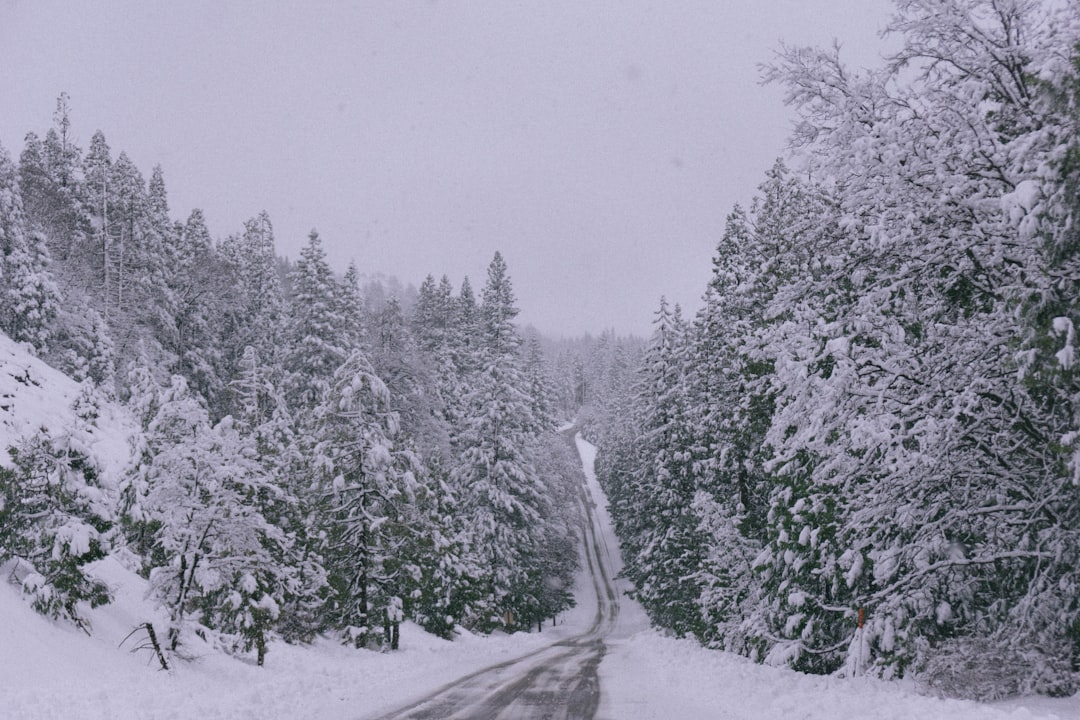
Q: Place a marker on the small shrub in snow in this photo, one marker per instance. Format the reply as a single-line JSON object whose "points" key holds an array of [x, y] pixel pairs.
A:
{"points": [[52, 523]]}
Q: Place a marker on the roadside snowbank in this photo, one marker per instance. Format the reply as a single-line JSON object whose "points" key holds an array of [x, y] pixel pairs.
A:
{"points": [[647, 675], [51, 672]]}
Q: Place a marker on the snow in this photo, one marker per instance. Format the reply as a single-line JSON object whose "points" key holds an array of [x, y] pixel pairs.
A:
{"points": [[35, 396], [646, 674], [652, 676], [1067, 355], [51, 670]]}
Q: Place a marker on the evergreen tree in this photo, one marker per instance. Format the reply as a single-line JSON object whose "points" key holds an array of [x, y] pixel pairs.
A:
{"points": [[263, 416], [53, 521], [666, 550], [194, 504], [97, 172], [252, 306], [501, 492], [351, 308], [316, 345], [195, 293], [28, 294], [369, 487], [51, 182]]}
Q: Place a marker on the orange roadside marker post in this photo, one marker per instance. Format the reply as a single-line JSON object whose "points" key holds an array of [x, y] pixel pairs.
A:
{"points": [[859, 632]]}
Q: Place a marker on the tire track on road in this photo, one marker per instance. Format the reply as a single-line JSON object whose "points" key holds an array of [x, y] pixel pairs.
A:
{"points": [[557, 682]]}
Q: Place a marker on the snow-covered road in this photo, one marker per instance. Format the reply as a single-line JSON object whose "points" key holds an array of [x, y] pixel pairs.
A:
{"points": [[610, 665], [556, 681], [602, 660]]}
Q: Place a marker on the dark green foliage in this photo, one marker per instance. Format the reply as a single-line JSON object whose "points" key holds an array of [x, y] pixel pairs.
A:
{"points": [[53, 523]]}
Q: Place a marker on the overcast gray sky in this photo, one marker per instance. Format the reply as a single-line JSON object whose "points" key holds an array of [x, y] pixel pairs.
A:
{"points": [[598, 145]]}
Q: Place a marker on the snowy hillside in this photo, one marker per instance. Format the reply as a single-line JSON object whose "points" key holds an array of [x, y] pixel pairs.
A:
{"points": [[53, 670], [35, 396]]}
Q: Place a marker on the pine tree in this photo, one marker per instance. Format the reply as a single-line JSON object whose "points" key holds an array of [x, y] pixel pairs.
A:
{"points": [[53, 522], [252, 304], [28, 295], [51, 180], [500, 490], [317, 337], [97, 171], [369, 487], [666, 550], [194, 506], [263, 416], [195, 295], [351, 308]]}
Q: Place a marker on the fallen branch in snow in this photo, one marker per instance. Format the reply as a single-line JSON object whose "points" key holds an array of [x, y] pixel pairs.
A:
{"points": [[151, 645]]}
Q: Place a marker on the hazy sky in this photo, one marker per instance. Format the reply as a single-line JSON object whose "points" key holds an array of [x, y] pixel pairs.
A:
{"points": [[598, 145]]}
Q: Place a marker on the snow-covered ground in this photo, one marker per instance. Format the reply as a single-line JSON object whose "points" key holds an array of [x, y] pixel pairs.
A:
{"points": [[53, 671], [34, 396], [49, 671]]}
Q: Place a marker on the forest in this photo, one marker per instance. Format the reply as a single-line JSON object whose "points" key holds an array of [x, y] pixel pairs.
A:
{"points": [[313, 456], [860, 456]]}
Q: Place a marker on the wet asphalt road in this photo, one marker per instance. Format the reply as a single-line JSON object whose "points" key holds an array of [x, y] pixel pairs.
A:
{"points": [[556, 682]]}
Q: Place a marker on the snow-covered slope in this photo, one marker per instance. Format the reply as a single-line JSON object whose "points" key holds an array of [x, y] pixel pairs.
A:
{"points": [[52, 672], [35, 396]]}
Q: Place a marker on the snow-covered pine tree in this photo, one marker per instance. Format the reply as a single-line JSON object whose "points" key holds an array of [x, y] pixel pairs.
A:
{"points": [[368, 485], [54, 519], [263, 416], [667, 546], [466, 336], [497, 481], [194, 507], [317, 335], [28, 295], [443, 589], [439, 341], [94, 195], [731, 404], [89, 353], [430, 319], [252, 311], [351, 307], [50, 178], [758, 296], [196, 295]]}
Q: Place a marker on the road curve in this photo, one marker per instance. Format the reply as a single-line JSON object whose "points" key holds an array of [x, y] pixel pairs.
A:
{"points": [[556, 682]]}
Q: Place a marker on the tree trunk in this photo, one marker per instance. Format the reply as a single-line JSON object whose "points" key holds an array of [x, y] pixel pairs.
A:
{"points": [[260, 644], [154, 644]]}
